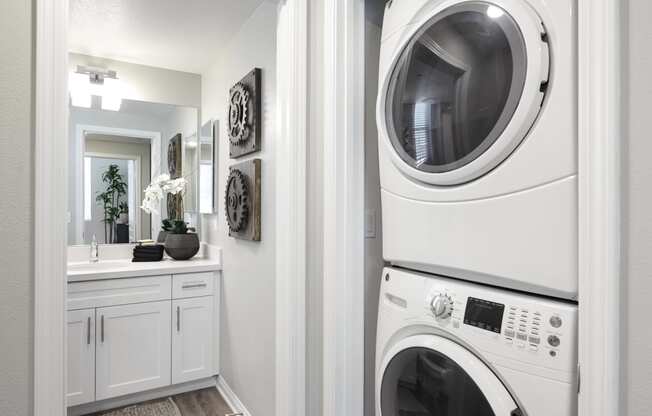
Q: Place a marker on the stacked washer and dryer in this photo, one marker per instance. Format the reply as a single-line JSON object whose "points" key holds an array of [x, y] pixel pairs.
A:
{"points": [[477, 115]]}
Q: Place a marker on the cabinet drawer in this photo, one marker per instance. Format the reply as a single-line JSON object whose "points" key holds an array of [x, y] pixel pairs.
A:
{"points": [[101, 293], [192, 285]]}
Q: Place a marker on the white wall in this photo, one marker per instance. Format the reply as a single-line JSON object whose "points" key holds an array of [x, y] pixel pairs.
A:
{"points": [[373, 246], [16, 205], [147, 83], [249, 287], [637, 210]]}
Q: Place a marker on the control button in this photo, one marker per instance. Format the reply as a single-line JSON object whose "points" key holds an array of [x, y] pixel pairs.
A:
{"points": [[534, 347], [535, 340], [553, 340], [508, 341], [555, 321], [509, 333], [521, 336], [442, 306], [553, 353]]}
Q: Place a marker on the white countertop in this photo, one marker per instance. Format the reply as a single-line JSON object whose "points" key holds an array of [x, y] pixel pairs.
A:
{"points": [[118, 269]]}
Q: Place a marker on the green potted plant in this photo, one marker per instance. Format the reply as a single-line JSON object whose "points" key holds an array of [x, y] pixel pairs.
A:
{"points": [[111, 200], [166, 226], [181, 244]]}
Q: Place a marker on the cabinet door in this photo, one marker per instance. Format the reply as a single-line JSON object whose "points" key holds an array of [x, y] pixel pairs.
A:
{"points": [[81, 357], [192, 339], [133, 348]]}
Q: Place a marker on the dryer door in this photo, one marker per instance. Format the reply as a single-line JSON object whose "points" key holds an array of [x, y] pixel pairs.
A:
{"points": [[427, 375], [464, 90]]}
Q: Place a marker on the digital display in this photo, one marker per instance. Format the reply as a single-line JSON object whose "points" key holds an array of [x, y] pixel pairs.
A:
{"points": [[484, 314]]}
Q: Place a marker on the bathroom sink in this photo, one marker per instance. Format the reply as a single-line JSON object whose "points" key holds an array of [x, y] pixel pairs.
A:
{"points": [[98, 267]]}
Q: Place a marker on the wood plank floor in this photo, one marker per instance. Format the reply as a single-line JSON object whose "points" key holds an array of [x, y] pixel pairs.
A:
{"points": [[205, 402]]}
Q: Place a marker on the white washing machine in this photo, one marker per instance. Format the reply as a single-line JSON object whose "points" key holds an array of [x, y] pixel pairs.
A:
{"points": [[449, 347], [477, 115]]}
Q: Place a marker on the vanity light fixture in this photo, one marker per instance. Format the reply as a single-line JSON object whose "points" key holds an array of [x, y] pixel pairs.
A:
{"points": [[89, 81]]}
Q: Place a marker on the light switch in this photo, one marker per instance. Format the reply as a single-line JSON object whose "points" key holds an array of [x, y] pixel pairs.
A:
{"points": [[370, 223]]}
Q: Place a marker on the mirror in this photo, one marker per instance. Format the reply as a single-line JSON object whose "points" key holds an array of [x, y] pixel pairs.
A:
{"points": [[207, 148], [115, 154]]}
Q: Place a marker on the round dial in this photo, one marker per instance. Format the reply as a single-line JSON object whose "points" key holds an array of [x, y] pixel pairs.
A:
{"points": [[442, 306]]}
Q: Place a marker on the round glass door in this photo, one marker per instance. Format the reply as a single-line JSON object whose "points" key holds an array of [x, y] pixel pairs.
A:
{"points": [[422, 382], [427, 375], [455, 87]]}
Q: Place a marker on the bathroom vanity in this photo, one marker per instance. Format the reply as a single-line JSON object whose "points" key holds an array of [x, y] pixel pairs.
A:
{"points": [[135, 327]]}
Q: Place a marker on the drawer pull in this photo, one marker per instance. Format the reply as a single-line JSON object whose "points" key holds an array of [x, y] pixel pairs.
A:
{"points": [[102, 329], [194, 285], [88, 331], [178, 319]]}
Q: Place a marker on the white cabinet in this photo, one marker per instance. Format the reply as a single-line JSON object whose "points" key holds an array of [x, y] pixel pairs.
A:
{"points": [[192, 339], [129, 335], [81, 357], [133, 348]]}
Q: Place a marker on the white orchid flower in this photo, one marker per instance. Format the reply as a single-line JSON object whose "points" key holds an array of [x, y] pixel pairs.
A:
{"points": [[161, 186]]}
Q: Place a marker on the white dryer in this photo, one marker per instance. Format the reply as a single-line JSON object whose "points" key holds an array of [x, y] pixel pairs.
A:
{"points": [[476, 115], [449, 347]]}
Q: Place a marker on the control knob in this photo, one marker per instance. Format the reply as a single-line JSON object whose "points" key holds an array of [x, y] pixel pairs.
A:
{"points": [[442, 306]]}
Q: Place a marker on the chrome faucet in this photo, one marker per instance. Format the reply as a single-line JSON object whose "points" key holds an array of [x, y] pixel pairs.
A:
{"points": [[95, 252]]}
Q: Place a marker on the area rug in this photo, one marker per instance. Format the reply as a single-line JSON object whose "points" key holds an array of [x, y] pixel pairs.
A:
{"points": [[157, 408]]}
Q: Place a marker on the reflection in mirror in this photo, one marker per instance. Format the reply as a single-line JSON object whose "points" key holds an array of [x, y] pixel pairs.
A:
{"points": [[114, 155], [207, 143]]}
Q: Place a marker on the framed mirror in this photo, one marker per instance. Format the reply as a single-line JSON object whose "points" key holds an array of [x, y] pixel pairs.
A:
{"points": [[114, 154], [207, 170]]}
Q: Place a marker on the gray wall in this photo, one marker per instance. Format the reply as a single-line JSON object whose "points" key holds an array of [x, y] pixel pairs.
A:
{"points": [[373, 246], [16, 204], [637, 209], [248, 320]]}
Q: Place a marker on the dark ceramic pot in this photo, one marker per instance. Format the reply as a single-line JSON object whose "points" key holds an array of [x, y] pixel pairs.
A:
{"points": [[182, 246], [162, 236]]}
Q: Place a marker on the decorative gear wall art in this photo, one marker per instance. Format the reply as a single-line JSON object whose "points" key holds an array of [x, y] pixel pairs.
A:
{"points": [[239, 115], [237, 201], [242, 200], [244, 118]]}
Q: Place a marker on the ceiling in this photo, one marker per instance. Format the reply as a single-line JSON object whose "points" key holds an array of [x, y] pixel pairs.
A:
{"points": [[174, 34]]}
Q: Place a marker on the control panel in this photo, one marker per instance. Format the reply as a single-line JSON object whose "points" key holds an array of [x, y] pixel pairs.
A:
{"points": [[514, 325]]}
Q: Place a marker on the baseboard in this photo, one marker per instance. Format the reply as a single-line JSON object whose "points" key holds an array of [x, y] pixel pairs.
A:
{"points": [[230, 397], [100, 406]]}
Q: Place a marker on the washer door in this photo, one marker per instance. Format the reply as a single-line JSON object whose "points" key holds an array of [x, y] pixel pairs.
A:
{"points": [[465, 89], [427, 375]]}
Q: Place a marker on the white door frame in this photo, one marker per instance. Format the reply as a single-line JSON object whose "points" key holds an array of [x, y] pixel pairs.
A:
{"points": [[81, 130], [135, 219], [291, 157], [599, 150], [343, 207], [50, 206]]}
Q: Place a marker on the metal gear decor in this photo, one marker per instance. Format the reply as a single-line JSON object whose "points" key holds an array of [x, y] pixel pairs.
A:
{"points": [[242, 200], [236, 201], [239, 130], [244, 117]]}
